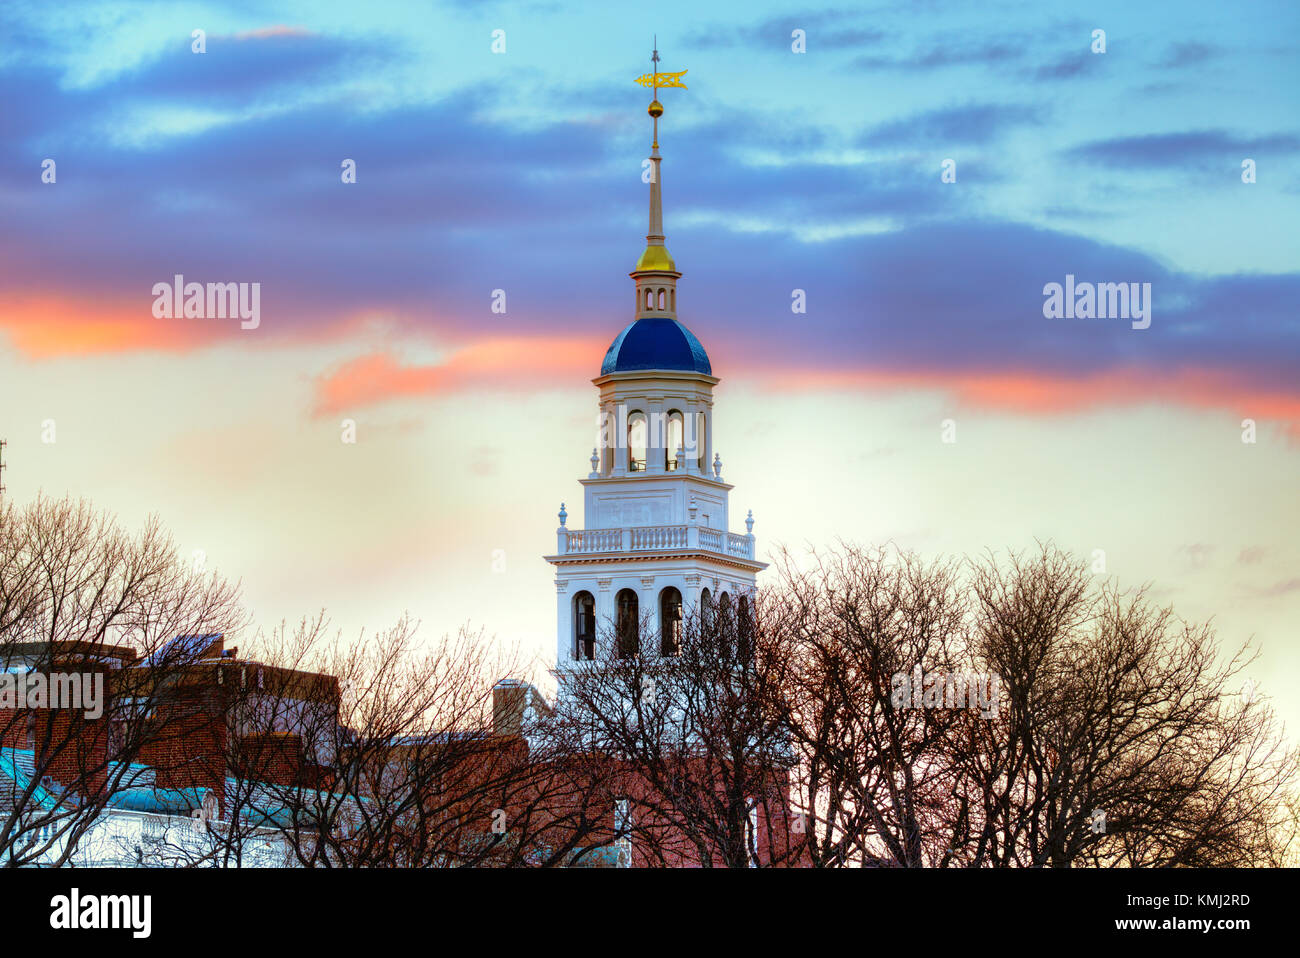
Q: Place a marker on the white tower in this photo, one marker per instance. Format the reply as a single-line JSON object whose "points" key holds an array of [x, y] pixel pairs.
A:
{"points": [[656, 508]]}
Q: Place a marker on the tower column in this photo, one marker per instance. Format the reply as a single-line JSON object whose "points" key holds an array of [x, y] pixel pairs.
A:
{"points": [[706, 460], [656, 437], [691, 423], [618, 411]]}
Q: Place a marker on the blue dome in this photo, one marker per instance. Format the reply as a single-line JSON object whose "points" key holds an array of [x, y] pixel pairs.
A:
{"points": [[656, 342]]}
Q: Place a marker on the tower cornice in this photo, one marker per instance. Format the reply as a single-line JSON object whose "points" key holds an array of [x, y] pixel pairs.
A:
{"points": [[674, 375]]}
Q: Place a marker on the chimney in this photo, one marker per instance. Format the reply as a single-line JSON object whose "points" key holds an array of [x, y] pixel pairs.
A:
{"points": [[511, 700]]}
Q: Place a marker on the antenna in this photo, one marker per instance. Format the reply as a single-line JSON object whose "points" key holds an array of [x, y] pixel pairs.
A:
{"points": [[654, 66]]}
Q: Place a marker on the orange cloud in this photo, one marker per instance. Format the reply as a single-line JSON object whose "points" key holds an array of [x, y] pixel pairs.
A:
{"points": [[532, 363], [1048, 394], [44, 325], [527, 363]]}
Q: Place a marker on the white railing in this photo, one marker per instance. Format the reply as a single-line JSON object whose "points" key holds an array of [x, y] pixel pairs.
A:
{"points": [[742, 546], [658, 537], [594, 540], [655, 538]]}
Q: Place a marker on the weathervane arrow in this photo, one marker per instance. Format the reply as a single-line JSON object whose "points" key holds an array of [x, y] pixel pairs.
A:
{"points": [[658, 79], [662, 79]]}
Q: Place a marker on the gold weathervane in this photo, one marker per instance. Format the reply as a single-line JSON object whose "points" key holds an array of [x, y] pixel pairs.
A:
{"points": [[657, 80]]}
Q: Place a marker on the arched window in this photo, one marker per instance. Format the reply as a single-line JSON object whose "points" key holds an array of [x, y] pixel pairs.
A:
{"points": [[674, 440], [636, 440], [628, 624], [744, 628], [724, 606], [670, 621], [706, 607], [701, 424], [663, 298], [672, 299], [584, 626], [648, 294]]}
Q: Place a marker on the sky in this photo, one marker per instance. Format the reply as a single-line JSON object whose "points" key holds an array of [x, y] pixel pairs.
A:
{"points": [[519, 170]]}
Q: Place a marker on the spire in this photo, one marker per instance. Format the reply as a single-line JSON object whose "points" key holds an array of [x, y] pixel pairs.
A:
{"points": [[656, 255], [655, 271]]}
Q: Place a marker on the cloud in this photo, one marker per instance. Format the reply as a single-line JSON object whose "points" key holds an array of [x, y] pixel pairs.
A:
{"points": [[1280, 588], [270, 65], [1069, 65], [947, 53], [276, 30], [1182, 150], [824, 30], [46, 324], [908, 282], [1252, 555], [1197, 554], [498, 364], [1190, 53], [968, 123]]}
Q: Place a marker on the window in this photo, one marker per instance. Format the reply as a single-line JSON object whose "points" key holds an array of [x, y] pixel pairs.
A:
{"points": [[674, 439], [706, 607], [636, 442], [584, 626], [663, 299], [622, 833], [744, 628], [648, 293], [628, 623], [700, 426], [670, 621]]}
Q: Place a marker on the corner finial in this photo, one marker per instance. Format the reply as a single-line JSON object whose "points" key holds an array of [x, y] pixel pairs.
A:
{"points": [[564, 515]]}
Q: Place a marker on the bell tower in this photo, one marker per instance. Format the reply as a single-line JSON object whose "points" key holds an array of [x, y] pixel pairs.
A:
{"points": [[657, 540]]}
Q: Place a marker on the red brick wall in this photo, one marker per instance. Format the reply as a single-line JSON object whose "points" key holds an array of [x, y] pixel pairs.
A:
{"points": [[187, 743], [274, 757]]}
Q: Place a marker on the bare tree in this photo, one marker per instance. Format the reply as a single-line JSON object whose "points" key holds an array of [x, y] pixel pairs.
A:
{"points": [[870, 775], [1124, 737], [1112, 732], [414, 757], [82, 603], [689, 742]]}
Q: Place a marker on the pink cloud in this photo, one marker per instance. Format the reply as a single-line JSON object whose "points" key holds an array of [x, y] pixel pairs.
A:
{"points": [[518, 363], [277, 30]]}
